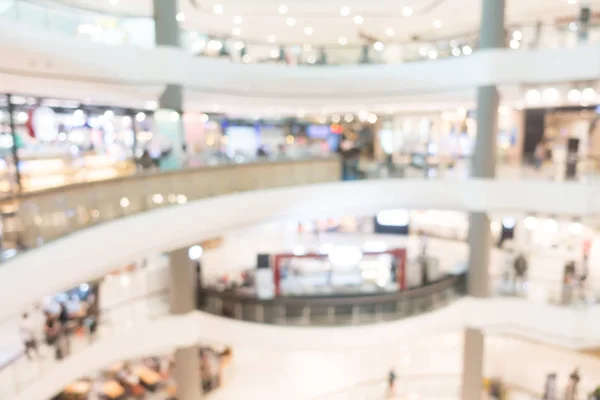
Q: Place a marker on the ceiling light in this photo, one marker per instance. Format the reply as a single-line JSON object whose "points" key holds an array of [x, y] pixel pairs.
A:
{"points": [[433, 54], [572, 1], [336, 119], [195, 252], [274, 53], [575, 228], [204, 118], [345, 11], [358, 19], [588, 94], [456, 52], [180, 17], [139, 117], [390, 32], [467, 50], [423, 51], [573, 26], [515, 44], [215, 45], [533, 96], [218, 9], [239, 45], [290, 21], [349, 118], [271, 38], [551, 95], [308, 30], [237, 31], [237, 20], [311, 59], [282, 9], [574, 95], [378, 46], [531, 223], [517, 35], [437, 23], [109, 114], [151, 105], [343, 40], [407, 11], [372, 118]]}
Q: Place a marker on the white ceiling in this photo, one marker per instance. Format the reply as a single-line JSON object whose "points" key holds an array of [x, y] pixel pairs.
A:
{"points": [[259, 20]]}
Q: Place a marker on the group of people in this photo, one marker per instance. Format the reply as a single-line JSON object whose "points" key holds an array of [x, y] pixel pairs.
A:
{"points": [[60, 323]]}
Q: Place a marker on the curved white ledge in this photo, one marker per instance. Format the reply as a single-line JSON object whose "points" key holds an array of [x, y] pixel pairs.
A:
{"points": [[40, 53], [93, 252], [577, 329]]}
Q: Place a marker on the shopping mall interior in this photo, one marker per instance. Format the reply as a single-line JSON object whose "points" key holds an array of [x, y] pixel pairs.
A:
{"points": [[342, 200]]}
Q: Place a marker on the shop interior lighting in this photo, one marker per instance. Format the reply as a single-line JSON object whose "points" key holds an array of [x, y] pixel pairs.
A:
{"points": [[517, 35], [140, 117], [345, 255], [533, 96], [574, 95], [551, 95], [124, 280], [456, 52], [308, 30], [467, 50], [575, 228], [218, 9], [237, 20], [215, 45], [282, 9], [237, 31], [274, 53], [393, 217], [290, 21], [180, 17], [343, 40], [345, 11], [390, 32], [174, 116], [124, 202], [271, 38], [204, 118], [407, 11], [372, 118], [195, 252], [378, 46], [358, 19], [508, 222], [22, 117], [432, 54], [550, 225], [588, 94], [423, 51], [181, 199], [515, 44], [151, 105], [349, 118], [335, 118], [238, 45], [247, 58], [573, 26], [158, 198], [363, 115]]}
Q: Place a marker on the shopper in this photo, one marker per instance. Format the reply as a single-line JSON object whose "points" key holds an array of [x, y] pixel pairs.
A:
{"points": [[27, 332], [571, 392], [520, 266], [539, 155], [146, 161], [391, 382]]}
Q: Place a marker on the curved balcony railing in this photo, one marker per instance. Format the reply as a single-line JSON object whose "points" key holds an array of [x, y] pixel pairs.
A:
{"points": [[43, 216], [138, 31], [333, 310]]}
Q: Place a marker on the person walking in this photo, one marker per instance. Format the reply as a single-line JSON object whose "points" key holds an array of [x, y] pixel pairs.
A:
{"points": [[392, 382], [27, 331]]}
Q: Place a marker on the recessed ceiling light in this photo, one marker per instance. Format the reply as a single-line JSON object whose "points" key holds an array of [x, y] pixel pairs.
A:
{"points": [[467, 50], [437, 23], [237, 31], [343, 40], [282, 9], [407, 11], [218, 9], [290, 21], [308, 30], [345, 11], [358, 19], [180, 17], [113, 2], [378, 46], [271, 38], [237, 20], [432, 54], [390, 32]]}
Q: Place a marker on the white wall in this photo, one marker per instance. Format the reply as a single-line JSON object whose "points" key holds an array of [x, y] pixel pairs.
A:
{"points": [[77, 258]]}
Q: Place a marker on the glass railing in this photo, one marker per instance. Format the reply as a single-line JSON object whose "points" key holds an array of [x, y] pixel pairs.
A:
{"points": [[18, 371], [33, 219], [138, 31], [333, 310]]}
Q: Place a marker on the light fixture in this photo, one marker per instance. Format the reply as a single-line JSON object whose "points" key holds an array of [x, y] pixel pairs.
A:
{"points": [[158, 198], [174, 116], [345, 11], [533, 96], [423, 51], [363, 115], [215, 45], [407, 11], [335, 118], [358, 19], [218, 9], [550, 225], [237, 20], [237, 31], [432, 54], [113, 2], [343, 40], [195, 252], [372, 118], [588, 94], [108, 114], [390, 32], [290, 21], [274, 53], [531, 223], [515, 44], [271, 38], [238, 45], [204, 118], [508, 222], [124, 202], [308, 30], [78, 113], [378, 46], [575, 228], [437, 23], [572, 1], [139, 117], [180, 17], [456, 52], [517, 35], [151, 105], [181, 199], [574, 95], [573, 26], [345, 255], [551, 95], [349, 117], [282, 9], [467, 50]]}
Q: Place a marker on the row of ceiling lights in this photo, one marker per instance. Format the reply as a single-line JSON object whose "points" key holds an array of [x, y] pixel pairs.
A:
{"points": [[553, 96]]}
